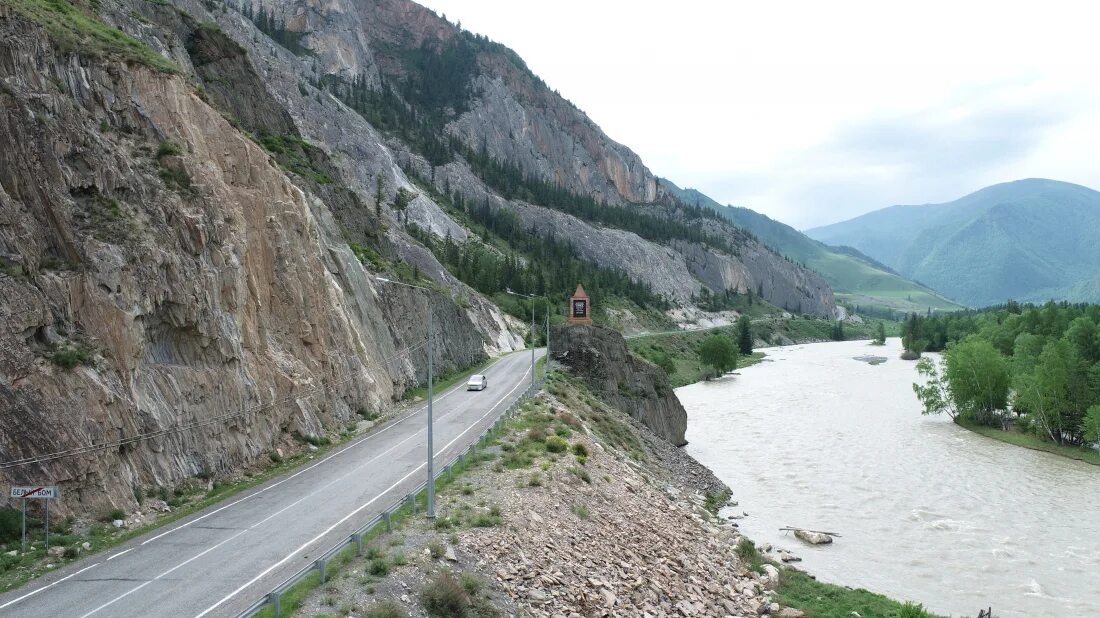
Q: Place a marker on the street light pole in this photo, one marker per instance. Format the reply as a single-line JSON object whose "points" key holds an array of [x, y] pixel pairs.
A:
{"points": [[532, 296], [431, 379]]}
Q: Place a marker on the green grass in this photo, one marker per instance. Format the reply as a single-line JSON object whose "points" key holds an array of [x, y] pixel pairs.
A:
{"points": [[822, 600], [1035, 443], [78, 31], [856, 282]]}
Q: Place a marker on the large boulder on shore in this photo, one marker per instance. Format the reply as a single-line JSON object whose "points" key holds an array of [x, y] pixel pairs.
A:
{"points": [[600, 357]]}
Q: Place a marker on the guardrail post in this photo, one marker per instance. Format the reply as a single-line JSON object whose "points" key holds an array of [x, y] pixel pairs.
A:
{"points": [[358, 539], [386, 518], [412, 503], [273, 599], [321, 569], [448, 471]]}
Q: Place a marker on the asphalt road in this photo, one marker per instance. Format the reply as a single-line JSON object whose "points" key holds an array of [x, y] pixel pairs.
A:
{"points": [[218, 561]]}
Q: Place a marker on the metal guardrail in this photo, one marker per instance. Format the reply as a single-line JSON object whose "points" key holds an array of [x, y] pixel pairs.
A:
{"points": [[356, 538]]}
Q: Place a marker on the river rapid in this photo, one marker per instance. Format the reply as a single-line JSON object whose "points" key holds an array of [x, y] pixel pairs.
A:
{"points": [[928, 511]]}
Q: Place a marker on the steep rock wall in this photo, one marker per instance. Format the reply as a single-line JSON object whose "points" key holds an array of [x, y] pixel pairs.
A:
{"points": [[192, 284], [600, 356]]}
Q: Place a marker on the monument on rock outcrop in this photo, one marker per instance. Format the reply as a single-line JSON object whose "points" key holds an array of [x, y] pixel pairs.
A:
{"points": [[580, 307]]}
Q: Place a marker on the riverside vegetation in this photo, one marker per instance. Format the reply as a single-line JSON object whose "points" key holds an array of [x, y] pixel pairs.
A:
{"points": [[1028, 375]]}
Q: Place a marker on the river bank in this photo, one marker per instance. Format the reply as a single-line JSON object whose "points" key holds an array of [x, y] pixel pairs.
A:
{"points": [[1035, 443]]}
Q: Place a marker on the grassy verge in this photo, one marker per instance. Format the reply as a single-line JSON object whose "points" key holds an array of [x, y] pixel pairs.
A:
{"points": [[1035, 443], [822, 600], [77, 30], [292, 599]]}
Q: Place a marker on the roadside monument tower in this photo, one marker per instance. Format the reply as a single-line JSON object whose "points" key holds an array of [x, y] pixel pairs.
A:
{"points": [[580, 307]]}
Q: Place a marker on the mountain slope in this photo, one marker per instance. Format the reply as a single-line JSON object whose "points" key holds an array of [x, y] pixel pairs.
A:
{"points": [[1031, 240], [855, 278], [198, 200]]}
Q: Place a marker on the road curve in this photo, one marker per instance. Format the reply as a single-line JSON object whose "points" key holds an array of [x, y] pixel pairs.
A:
{"points": [[218, 561]]}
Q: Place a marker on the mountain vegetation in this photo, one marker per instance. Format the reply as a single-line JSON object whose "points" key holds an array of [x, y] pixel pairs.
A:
{"points": [[1029, 240], [857, 280]]}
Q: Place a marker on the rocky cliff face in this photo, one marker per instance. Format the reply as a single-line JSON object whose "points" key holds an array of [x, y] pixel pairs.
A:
{"points": [[600, 357], [176, 302]]}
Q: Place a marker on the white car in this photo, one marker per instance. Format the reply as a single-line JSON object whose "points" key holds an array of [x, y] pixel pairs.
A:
{"points": [[477, 382]]}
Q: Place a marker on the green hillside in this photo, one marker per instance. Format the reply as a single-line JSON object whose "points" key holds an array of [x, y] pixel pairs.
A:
{"points": [[1030, 240], [856, 279]]}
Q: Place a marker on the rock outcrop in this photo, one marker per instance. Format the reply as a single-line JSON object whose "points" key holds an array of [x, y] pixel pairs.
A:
{"points": [[600, 357], [176, 300]]}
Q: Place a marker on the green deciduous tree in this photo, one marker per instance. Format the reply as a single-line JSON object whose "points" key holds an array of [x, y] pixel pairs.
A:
{"points": [[978, 380], [718, 352]]}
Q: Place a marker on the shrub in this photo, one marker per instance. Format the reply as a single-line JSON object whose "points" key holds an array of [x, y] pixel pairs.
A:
{"points": [[471, 583], [535, 480], [580, 510], [555, 444], [386, 609], [570, 420], [69, 357], [445, 597], [536, 435], [70, 553], [435, 549], [168, 148], [582, 460], [379, 567], [399, 559], [580, 473], [373, 553], [911, 610], [563, 431], [580, 449], [11, 526]]}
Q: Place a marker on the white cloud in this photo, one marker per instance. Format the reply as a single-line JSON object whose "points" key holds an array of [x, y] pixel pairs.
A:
{"points": [[815, 112]]}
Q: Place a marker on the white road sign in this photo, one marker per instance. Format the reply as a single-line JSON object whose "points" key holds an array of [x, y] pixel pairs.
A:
{"points": [[34, 492]]}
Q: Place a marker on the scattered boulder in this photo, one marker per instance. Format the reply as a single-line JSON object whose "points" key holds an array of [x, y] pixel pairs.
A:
{"points": [[449, 554], [56, 552], [118, 523], [786, 556], [813, 538]]}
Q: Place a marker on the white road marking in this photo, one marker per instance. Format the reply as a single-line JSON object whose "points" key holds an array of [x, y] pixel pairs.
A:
{"points": [[112, 557], [327, 459], [48, 586], [185, 562], [356, 511]]}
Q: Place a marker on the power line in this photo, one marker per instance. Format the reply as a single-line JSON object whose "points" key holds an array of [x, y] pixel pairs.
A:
{"points": [[91, 448]]}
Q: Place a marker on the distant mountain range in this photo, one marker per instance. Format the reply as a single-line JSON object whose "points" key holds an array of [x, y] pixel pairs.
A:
{"points": [[855, 278], [1028, 240]]}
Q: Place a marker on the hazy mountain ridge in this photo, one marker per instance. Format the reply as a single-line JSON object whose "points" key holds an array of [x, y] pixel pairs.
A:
{"points": [[855, 277], [1031, 240]]}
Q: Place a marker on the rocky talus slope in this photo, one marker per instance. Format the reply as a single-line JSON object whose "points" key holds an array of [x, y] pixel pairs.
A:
{"points": [[600, 357], [609, 534]]}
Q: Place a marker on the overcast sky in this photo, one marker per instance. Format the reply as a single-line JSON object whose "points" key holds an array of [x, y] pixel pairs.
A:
{"points": [[815, 112]]}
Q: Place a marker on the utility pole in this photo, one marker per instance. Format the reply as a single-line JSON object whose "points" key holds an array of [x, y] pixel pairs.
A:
{"points": [[431, 379], [532, 296]]}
